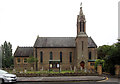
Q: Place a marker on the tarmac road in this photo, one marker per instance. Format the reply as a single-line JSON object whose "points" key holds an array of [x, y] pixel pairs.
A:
{"points": [[67, 82], [107, 81]]}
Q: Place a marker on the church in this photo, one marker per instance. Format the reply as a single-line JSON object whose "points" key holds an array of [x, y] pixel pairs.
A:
{"points": [[60, 53]]}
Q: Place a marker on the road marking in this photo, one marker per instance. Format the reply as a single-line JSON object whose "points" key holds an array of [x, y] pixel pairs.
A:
{"points": [[103, 80]]}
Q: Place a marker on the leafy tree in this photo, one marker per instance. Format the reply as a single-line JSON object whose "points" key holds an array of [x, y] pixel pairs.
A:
{"points": [[99, 62], [103, 51], [7, 58], [113, 58], [111, 55], [31, 60]]}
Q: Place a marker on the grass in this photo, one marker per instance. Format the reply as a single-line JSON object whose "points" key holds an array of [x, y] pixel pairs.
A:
{"points": [[49, 72], [37, 72], [44, 72]]}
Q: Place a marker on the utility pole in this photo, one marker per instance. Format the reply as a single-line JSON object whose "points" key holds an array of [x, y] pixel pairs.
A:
{"points": [[0, 58], [119, 21]]}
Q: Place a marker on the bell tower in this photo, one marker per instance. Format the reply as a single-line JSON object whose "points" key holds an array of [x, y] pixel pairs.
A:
{"points": [[81, 22], [81, 42]]}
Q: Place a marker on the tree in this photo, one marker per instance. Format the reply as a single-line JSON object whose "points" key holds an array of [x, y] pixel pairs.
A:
{"points": [[113, 58], [111, 55], [103, 51], [99, 62], [31, 60], [7, 58]]}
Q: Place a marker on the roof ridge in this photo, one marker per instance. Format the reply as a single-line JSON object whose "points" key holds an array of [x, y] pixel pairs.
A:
{"points": [[25, 46], [56, 37]]}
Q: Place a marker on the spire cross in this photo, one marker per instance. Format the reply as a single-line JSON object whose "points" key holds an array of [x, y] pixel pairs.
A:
{"points": [[81, 4]]}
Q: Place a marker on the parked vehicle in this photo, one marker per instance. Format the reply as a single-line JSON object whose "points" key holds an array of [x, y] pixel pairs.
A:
{"points": [[7, 77]]}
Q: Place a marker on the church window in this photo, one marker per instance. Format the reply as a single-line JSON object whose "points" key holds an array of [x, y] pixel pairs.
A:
{"points": [[82, 45], [80, 26], [70, 57], [89, 55], [60, 56], [51, 56], [83, 26], [41, 57], [25, 60], [18, 60]]}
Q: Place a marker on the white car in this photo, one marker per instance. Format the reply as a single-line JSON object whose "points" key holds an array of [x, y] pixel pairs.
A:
{"points": [[7, 77]]}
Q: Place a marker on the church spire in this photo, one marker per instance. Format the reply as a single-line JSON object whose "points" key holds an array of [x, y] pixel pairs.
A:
{"points": [[81, 22], [81, 12], [81, 15]]}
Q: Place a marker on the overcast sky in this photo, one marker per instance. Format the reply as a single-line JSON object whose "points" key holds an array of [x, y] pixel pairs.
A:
{"points": [[21, 21]]}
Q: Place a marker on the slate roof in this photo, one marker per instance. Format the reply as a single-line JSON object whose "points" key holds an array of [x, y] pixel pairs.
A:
{"points": [[91, 43], [23, 51], [57, 42]]}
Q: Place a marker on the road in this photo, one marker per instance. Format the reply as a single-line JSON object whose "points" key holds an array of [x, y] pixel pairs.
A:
{"points": [[108, 81], [67, 83]]}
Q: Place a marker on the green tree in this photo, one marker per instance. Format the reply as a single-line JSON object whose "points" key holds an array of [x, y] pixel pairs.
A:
{"points": [[113, 58], [31, 60], [7, 58], [103, 51], [99, 62]]}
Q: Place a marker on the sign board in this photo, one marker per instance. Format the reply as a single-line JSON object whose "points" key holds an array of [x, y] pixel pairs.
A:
{"points": [[54, 65]]}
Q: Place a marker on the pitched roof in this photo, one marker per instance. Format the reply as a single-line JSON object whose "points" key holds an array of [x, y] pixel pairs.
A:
{"points": [[55, 42], [60, 42], [91, 43], [23, 51]]}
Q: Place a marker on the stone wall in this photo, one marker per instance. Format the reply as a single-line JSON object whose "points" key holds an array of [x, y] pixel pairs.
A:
{"points": [[93, 53], [99, 69], [21, 65], [91, 66], [117, 70], [82, 51]]}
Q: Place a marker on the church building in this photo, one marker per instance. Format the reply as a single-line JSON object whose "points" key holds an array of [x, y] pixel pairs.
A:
{"points": [[60, 53]]}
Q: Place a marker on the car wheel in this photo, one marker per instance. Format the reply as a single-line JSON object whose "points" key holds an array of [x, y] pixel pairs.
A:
{"points": [[3, 82]]}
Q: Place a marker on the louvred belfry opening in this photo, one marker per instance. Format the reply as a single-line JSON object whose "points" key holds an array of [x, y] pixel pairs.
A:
{"points": [[81, 22]]}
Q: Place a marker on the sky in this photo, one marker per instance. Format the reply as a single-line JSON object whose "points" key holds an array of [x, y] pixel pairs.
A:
{"points": [[21, 21]]}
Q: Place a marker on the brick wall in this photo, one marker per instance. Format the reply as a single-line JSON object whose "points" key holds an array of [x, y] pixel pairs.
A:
{"points": [[117, 70], [65, 64], [21, 65]]}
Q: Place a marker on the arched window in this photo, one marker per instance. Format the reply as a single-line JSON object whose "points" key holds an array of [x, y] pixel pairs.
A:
{"points": [[70, 57], [82, 45], [51, 57], [60, 56], [18, 60], [83, 27], [89, 55], [80, 27], [41, 57]]}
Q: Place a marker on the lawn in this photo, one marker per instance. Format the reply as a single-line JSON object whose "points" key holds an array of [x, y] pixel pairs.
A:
{"points": [[49, 72]]}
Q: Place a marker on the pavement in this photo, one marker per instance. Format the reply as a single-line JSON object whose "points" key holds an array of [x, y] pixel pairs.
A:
{"points": [[61, 78]]}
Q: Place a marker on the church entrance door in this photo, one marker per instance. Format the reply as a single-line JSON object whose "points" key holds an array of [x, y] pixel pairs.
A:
{"points": [[82, 64]]}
